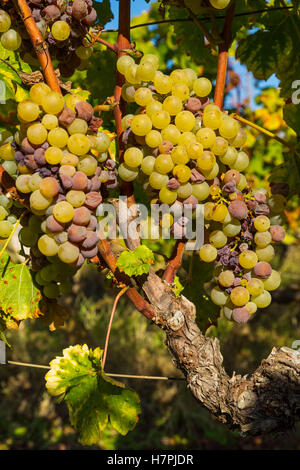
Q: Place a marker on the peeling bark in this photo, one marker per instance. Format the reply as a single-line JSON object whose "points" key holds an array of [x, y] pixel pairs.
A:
{"points": [[267, 401]]}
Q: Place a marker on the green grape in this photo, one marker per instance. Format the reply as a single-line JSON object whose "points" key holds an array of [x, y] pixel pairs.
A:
{"points": [[171, 134], [248, 259], [251, 307], [179, 155], [78, 126], [123, 63], [180, 90], [10, 167], [3, 212], [75, 198], [187, 138], [103, 142], [5, 228], [219, 4], [79, 144], [126, 121], [255, 286], [263, 300], [173, 105], [37, 134], [23, 184], [220, 146], [53, 102], [273, 281], [166, 196], [206, 137], [179, 76], [63, 211], [163, 83], [88, 165], [232, 229], [242, 183], [47, 245], [50, 121], [218, 296], [217, 238], [206, 161], [143, 96], [35, 224], [229, 128], [5, 21], [40, 280], [11, 40], [160, 119], [38, 201], [141, 124], [69, 159], [67, 170], [150, 58], [51, 291], [128, 92], [7, 152], [239, 296], [157, 180], [27, 237], [131, 74], [145, 71], [265, 254], [226, 278], [241, 163], [65, 287], [68, 253], [184, 191], [58, 137], [28, 111], [212, 118], [84, 53], [229, 157], [185, 121], [60, 30], [38, 92], [153, 107], [133, 157], [153, 139], [262, 223], [208, 253], [262, 239], [240, 139], [200, 191], [182, 173], [202, 87], [213, 173], [164, 163], [191, 75], [147, 165], [127, 173], [53, 155], [195, 150]]}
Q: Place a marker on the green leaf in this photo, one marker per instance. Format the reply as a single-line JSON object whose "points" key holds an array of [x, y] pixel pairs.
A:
{"points": [[137, 262], [291, 115], [104, 12], [263, 51], [94, 400], [19, 297]]}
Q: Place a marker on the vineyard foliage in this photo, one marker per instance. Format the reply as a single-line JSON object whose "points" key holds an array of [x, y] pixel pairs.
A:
{"points": [[265, 39]]}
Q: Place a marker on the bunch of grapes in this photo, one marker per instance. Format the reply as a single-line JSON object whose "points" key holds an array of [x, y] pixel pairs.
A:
{"points": [[10, 39], [186, 151], [64, 26], [61, 163]]}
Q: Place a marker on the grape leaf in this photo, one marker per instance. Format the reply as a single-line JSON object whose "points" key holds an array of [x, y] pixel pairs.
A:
{"points": [[104, 12], [19, 297], [262, 52], [137, 262], [94, 400]]}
